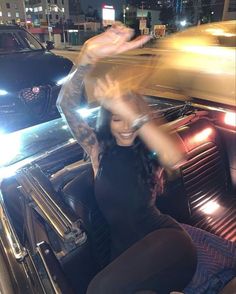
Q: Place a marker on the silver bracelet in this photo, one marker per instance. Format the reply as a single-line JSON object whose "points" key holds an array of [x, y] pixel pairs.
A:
{"points": [[140, 121]]}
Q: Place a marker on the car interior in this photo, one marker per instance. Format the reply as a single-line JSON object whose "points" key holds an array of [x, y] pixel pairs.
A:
{"points": [[200, 195]]}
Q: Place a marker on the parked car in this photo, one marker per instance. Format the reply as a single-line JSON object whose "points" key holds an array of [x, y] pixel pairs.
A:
{"points": [[53, 238], [30, 79]]}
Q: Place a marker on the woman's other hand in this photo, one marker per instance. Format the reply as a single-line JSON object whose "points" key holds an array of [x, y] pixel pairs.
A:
{"points": [[115, 40], [127, 105], [130, 106]]}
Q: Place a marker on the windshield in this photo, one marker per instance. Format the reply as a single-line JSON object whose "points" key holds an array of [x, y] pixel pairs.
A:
{"points": [[32, 141], [14, 41]]}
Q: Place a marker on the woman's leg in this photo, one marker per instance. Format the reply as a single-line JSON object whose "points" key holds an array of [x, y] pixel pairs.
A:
{"points": [[163, 261]]}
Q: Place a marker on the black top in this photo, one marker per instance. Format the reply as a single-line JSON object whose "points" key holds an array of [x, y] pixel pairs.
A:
{"points": [[126, 200]]}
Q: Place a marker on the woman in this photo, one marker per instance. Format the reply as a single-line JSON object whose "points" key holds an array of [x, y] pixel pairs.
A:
{"points": [[150, 252]]}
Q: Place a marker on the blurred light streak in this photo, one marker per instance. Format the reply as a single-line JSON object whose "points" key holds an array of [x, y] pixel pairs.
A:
{"points": [[203, 135], [9, 147], [86, 112], [210, 207], [230, 119], [219, 32], [210, 50]]}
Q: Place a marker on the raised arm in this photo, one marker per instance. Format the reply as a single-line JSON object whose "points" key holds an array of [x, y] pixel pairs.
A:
{"points": [[114, 41], [68, 103]]}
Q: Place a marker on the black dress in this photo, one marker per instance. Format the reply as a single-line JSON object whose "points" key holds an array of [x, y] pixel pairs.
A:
{"points": [[141, 237]]}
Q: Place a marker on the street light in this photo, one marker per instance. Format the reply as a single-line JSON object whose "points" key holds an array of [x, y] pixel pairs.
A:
{"points": [[63, 17], [183, 23], [48, 20], [125, 8], [25, 14]]}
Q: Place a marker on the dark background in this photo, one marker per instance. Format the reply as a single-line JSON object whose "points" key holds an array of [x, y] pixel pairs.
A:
{"points": [[97, 4]]}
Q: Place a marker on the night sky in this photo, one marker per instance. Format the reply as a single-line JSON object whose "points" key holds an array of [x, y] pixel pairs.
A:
{"points": [[97, 4]]}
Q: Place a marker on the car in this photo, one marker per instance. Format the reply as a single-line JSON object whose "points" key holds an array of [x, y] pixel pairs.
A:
{"points": [[30, 79], [53, 238], [186, 64]]}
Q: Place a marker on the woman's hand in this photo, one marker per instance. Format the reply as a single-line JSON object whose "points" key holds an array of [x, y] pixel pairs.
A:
{"points": [[127, 105], [115, 40]]}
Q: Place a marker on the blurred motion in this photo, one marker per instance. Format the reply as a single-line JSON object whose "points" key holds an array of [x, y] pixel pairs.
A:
{"points": [[198, 62], [204, 60], [53, 238]]}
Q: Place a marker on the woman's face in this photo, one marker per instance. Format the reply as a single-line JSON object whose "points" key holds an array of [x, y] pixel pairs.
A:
{"points": [[122, 131]]}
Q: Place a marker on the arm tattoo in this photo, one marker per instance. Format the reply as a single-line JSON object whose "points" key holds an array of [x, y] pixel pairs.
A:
{"points": [[69, 101]]}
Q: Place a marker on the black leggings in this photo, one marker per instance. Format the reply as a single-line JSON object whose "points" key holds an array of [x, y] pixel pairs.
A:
{"points": [[163, 261]]}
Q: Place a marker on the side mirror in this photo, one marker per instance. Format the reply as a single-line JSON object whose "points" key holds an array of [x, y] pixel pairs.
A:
{"points": [[50, 45]]}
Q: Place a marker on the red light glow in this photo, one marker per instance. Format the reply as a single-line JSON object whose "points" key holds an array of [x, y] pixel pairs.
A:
{"points": [[203, 135], [35, 90]]}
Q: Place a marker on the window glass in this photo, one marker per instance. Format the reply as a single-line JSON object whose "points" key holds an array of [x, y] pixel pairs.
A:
{"points": [[9, 42], [17, 41], [232, 5], [30, 41]]}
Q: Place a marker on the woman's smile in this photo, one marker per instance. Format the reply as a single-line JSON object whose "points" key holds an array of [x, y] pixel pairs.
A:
{"points": [[127, 135], [121, 131]]}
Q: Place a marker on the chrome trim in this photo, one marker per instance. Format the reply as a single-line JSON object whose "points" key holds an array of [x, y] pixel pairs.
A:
{"points": [[52, 283], [18, 251], [53, 269], [211, 108], [37, 187]]}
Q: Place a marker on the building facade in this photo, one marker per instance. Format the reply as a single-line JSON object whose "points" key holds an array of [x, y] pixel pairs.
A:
{"points": [[229, 12], [41, 13], [12, 11], [75, 10]]}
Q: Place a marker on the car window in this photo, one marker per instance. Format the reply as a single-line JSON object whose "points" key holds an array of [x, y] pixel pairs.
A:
{"points": [[9, 42], [17, 41], [29, 40]]}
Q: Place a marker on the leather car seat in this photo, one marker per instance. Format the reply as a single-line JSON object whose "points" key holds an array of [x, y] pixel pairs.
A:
{"points": [[78, 194]]}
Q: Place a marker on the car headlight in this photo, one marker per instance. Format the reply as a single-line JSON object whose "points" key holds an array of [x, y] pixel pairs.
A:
{"points": [[65, 79], [87, 112], [3, 92]]}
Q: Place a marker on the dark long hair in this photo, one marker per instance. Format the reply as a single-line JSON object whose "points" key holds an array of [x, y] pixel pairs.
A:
{"points": [[149, 171]]}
